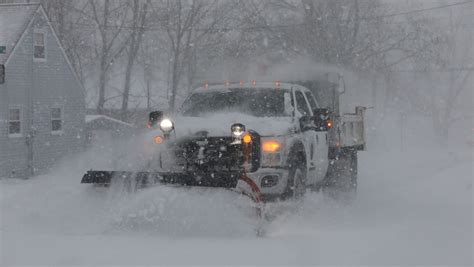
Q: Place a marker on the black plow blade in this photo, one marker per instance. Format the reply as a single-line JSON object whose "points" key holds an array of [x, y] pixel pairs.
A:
{"points": [[106, 177]]}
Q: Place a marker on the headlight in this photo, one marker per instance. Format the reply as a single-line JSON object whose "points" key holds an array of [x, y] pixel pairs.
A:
{"points": [[237, 130], [166, 125]]}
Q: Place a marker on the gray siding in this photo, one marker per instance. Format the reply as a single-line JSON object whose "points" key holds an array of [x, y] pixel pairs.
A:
{"points": [[37, 87]]}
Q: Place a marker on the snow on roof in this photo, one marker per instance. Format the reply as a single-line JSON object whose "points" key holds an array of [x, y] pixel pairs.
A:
{"points": [[14, 19], [91, 118]]}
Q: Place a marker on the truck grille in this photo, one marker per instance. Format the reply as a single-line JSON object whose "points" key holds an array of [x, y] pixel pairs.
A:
{"points": [[209, 154]]}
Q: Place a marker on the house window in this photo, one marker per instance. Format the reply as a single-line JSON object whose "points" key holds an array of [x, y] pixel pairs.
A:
{"points": [[56, 120], [39, 45], [14, 122]]}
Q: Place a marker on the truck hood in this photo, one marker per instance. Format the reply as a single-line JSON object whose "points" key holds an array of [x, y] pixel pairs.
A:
{"points": [[219, 124]]}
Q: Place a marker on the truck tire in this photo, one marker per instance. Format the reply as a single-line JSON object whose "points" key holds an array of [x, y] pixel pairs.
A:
{"points": [[341, 178], [296, 187]]}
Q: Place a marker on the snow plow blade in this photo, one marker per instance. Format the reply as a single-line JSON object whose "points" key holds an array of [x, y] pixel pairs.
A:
{"points": [[142, 179], [106, 177]]}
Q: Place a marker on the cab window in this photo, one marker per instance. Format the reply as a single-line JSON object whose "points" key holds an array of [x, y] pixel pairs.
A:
{"points": [[301, 104], [312, 102]]}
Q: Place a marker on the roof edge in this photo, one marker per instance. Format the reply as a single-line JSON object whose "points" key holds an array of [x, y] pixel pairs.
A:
{"points": [[23, 31]]}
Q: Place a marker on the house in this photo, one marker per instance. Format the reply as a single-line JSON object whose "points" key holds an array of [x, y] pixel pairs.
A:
{"points": [[42, 103]]}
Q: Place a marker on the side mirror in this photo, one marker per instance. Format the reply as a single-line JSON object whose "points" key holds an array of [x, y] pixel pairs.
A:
{"points": [[154, 117], [322, 119]]}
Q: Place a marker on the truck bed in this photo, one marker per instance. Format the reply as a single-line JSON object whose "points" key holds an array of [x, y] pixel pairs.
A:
{"points": [[348, 130]]}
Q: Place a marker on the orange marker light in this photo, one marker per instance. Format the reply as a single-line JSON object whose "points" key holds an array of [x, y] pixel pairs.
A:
{"points": [[254, 83], [247, 139], [271, 146], [158, 139], [242, 83], [227, 83], [277, 84], [206, 85], [329, 124]]}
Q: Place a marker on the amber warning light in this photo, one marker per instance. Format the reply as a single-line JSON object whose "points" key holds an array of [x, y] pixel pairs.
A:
{"points": [[329, 124], [158, 139], [247, 139], [271, 146]]}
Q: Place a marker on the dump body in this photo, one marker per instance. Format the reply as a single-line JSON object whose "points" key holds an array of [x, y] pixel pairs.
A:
{"points": [[347, 132]]}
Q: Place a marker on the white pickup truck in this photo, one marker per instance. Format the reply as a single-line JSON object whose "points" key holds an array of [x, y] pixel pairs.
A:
{"points": [[283, 136]]}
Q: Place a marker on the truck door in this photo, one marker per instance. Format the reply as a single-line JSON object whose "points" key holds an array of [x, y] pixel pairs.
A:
{"points": [[321, 148], [310, 136]]}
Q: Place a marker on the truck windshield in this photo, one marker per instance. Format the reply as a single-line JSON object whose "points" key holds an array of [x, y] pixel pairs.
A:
{"points": [[255, 102]]}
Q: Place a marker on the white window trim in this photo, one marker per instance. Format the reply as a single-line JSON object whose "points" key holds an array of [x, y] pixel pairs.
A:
{"points": [[60, 132], [35, 59], [15, 135]]}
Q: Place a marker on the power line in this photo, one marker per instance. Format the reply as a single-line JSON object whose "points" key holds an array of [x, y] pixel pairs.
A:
{"points": [[423, 10]]}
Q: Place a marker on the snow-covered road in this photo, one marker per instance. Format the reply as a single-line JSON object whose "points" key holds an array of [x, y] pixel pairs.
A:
{"points": [[412, 208]]}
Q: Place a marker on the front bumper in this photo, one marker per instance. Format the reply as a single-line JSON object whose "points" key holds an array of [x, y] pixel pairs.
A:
{"points": [[231, 179], [278, 188]]}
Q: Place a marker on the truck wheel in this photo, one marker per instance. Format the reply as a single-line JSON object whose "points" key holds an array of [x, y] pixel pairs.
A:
{"points": [[296, 187]]}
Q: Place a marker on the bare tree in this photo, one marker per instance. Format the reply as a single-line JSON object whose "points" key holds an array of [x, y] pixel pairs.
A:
{"points": [[457, 61], [139, 19], [109, 19], [186, 24]]}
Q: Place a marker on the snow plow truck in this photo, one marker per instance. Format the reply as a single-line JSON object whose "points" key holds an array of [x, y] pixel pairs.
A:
{"points": [[268, 140]]}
